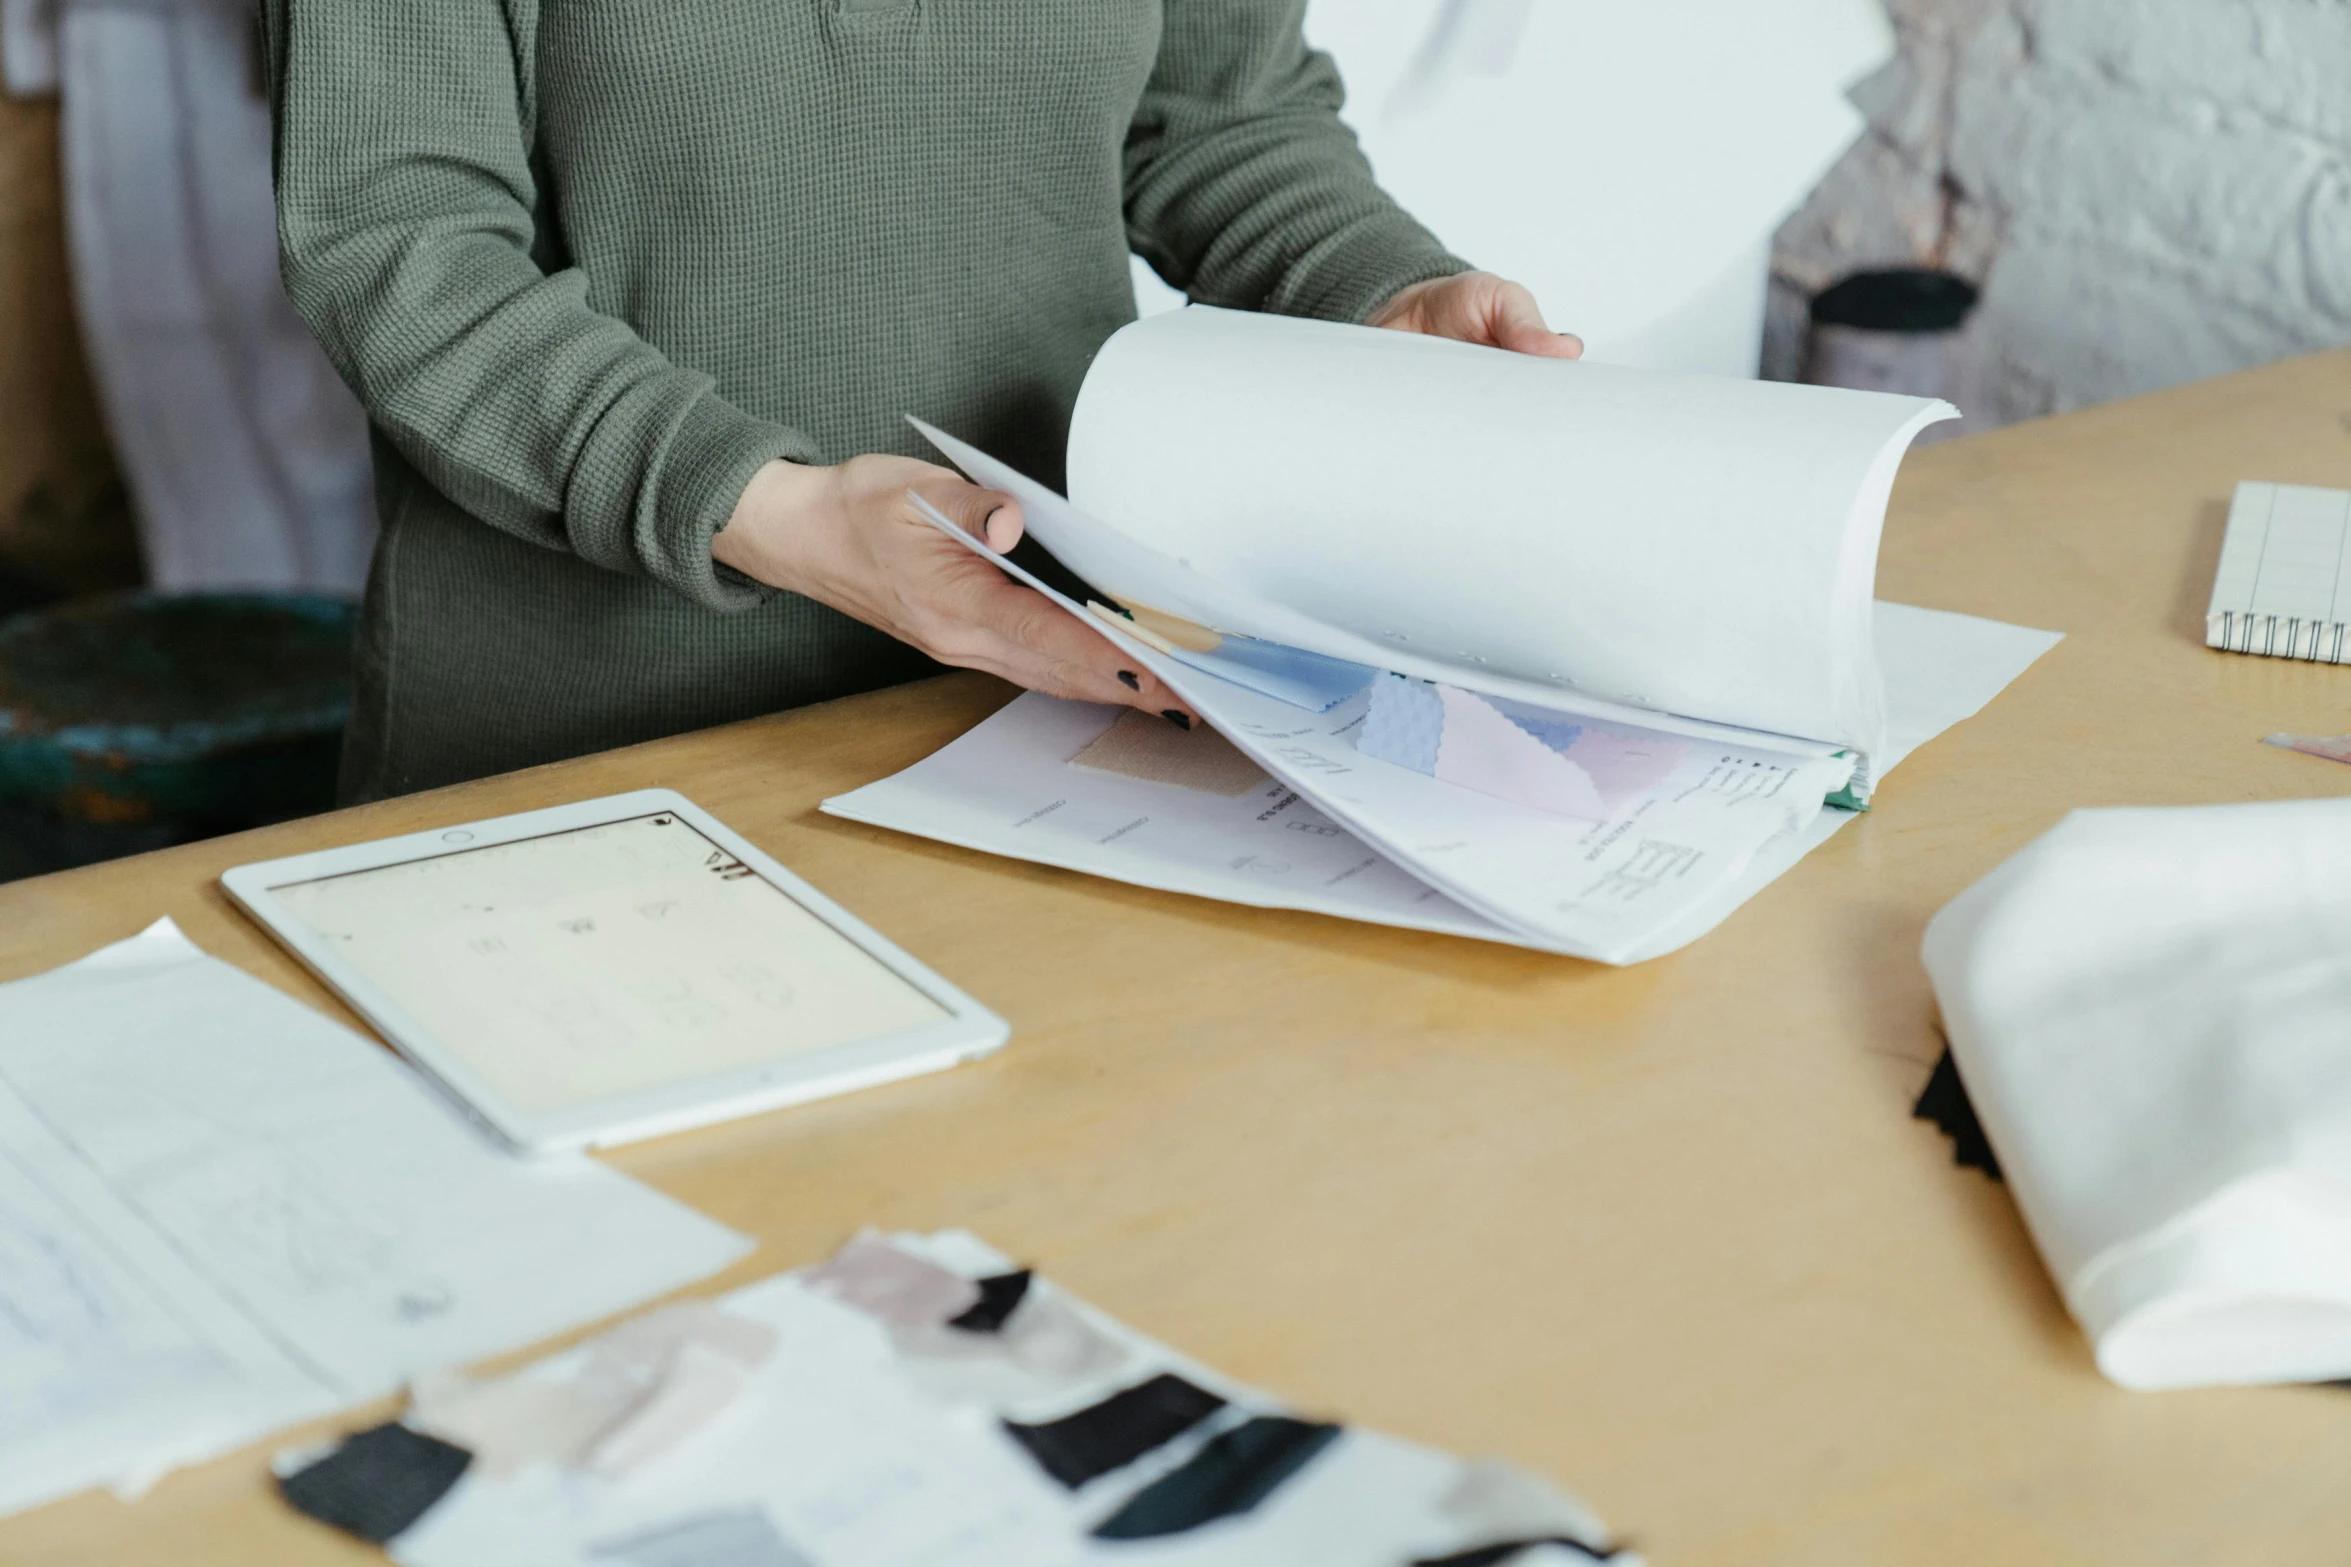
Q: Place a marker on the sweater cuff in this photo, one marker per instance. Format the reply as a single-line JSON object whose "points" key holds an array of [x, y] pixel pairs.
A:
{"points": [[1349, 275], [703, 471]]}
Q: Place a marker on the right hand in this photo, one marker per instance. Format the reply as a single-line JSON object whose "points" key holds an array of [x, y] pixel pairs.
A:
{"points": [[850, 536]]}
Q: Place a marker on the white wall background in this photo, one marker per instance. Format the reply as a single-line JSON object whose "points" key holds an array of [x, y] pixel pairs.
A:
{"points": [[2148, 190], [1628, 160]]}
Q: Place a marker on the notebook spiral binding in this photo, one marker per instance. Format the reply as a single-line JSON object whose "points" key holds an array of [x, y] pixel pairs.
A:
{"points": [[2280, 636]]}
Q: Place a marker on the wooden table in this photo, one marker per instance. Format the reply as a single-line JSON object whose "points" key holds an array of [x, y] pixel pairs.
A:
{"points": [[1668, 1234]]}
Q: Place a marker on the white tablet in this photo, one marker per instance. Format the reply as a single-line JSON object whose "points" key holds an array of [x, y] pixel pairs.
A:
{"points": [[600, 972]]}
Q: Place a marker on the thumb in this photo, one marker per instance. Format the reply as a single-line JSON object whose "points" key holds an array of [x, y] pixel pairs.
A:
{"points": [[1518, 326], [990, 516]]}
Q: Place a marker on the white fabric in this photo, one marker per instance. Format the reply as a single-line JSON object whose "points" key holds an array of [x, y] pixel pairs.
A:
{"points": [[28, 47], [2151, 1010], [245, 454]]}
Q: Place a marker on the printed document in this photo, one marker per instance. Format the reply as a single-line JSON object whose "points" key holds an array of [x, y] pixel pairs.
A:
{"points": [[222, 1213]]}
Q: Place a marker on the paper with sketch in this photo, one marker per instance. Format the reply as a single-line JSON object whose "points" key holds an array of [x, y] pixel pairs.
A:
{"points": [[221, 1213], [1026, 784]]}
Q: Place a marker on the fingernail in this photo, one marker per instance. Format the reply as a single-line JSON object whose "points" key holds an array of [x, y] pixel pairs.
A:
{"points": [[1128, 678], [1180, 720]]}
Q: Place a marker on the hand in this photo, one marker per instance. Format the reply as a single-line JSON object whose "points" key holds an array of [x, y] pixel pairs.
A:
{"points": [[1477, 307], [850, 536]]}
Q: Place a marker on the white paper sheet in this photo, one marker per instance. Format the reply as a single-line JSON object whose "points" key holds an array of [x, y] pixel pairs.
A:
{"points": [[221, 1212], [2149, 1009], [1688, 545], [1007, 788]]}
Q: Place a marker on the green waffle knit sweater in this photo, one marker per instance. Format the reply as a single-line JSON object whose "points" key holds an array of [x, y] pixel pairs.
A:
{"points": [[589, 263]]}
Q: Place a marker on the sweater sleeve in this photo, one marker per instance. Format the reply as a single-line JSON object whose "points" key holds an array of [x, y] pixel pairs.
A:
{"points": [[1244, 188], [409, 235]]}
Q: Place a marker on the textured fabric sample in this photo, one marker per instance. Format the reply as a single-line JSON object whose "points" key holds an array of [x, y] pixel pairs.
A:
{"points": [[1507, 1550], [1141, 746], [1944, 1102], [1000, 1296], [1494, 1501], [590, 265], [1232, 1474], [730, 1539], [895, 1286], [1114, 1433], [378, 1482], [634, 1393]]}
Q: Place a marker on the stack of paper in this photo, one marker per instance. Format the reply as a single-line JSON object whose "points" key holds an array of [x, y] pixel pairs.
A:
{"points": [[221, 1213], [1286, 513]]}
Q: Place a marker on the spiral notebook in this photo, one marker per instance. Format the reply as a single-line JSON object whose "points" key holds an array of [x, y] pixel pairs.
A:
{"points": [[2284, 584]]}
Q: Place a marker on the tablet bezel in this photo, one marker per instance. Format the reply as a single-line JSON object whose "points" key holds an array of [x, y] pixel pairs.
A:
{"points": [[970, 1030]]}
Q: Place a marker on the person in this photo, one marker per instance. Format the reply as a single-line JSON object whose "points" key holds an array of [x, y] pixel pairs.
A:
{"points": [[636, 292]]}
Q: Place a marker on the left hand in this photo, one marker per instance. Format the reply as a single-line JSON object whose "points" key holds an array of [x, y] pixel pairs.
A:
{"points": [[1477, 307]]}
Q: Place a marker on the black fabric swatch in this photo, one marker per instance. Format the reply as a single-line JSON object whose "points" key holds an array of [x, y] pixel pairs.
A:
{"points": [[1944, 1101], [378, 1482], [1114, 1433], [1230, 1475], [1502, 1551], [1000, 1296]]}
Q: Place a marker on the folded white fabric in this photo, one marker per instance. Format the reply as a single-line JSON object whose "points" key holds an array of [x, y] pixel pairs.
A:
{"points": [[2151, 1010]]}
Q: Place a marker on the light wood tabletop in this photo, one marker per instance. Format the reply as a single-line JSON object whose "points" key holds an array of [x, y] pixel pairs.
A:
{"points": [[1668, 1234]]}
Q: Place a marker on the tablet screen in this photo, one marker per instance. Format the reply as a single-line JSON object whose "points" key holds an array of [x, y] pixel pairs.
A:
{"points": [[605, 961]]}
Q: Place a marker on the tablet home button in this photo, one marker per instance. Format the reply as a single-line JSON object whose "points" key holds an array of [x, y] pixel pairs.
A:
{"points": [[458, 836]]}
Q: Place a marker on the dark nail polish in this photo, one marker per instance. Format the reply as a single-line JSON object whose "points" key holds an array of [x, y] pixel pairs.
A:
{"points": [[1128, 678], [1180, 720]]}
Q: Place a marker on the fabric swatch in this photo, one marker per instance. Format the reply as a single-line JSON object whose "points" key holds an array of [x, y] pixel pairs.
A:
{"points": [[742, 1538], [1045, 1349], [895, 1286], [377, 1482], [1505, 1550], [636, 1392], [1229, 1476], [1493, 1500], [1000, 1295], [1114, 1433], [510, 1422], [1140, 746], [1944, 1102]]}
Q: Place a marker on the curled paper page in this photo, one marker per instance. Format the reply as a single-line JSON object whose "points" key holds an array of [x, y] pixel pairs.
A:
{"points": [[1529, 528]]}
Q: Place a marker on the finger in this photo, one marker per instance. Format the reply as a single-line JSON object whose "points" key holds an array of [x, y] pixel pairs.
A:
{"points": [[990, 516], [991, 624], [1073, 652], [1518, 326]]}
